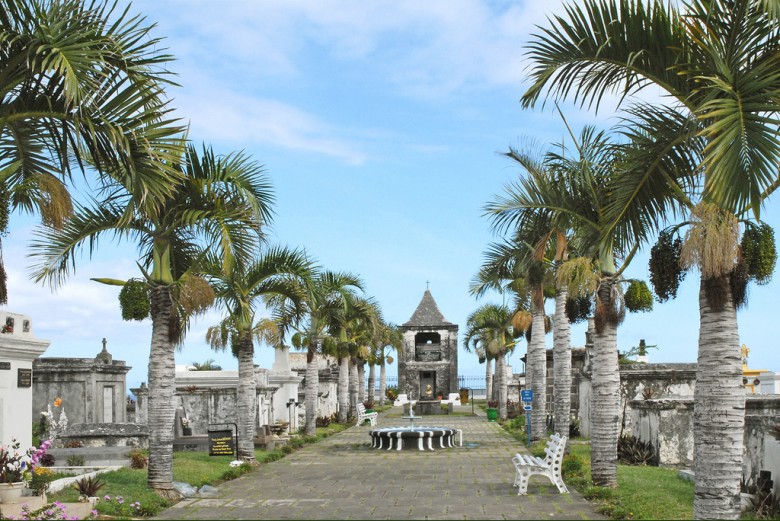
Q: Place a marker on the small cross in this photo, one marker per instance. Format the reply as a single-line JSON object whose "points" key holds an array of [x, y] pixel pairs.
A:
{"points": [[427, 283], [104, 344]]}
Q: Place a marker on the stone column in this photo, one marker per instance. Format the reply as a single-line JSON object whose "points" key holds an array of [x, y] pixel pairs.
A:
{"points": [[18, 348], [141, 404]]}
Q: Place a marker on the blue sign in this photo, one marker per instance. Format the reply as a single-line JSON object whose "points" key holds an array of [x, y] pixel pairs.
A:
{"points": [[527, 395], [527, 407]]}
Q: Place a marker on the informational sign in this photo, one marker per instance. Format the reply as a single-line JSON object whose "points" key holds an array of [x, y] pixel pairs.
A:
{"points": [[24, 378], [527, 395], [5, 366], [527, 408], [221, 443]]}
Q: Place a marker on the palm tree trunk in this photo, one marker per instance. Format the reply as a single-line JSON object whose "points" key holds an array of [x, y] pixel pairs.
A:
{"points": [[361, 380], [162, 405], [246, 396], [488, 380], [353, 385], [605, 399], [343, 392], [312, 388], [718, 414], [501, 384], [371, 382], [562, 365], [382, 380], [536, 367]]}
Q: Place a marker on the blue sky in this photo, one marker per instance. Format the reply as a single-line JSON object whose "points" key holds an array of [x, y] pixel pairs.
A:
{"points": [[379, 125]]}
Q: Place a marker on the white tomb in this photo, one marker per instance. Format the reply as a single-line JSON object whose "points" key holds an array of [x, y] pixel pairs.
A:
{"points": [[18, 348]]}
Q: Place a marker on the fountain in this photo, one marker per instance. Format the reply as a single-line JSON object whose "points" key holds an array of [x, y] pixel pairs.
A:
{"points": [[420, 433]]}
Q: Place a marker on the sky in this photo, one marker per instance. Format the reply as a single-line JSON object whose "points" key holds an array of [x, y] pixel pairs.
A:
{"points": [[380, 125]]}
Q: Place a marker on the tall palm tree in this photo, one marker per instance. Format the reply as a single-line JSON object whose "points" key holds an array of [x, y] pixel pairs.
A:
{"points": [[579, 185], [327, 295], [220, 205], [518, 267], [80, 82], [274, 279], [716, 62], [490, 327], [392, 338]]}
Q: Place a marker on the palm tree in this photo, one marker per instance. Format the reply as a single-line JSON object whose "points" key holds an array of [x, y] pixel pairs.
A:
{"points": [[518, 267], [391, 338], [327, 295], [221, 204], [579, 185], [275, 279], [552, 234], [716, 62], [208, 365], [74, 89], [490, 328]]}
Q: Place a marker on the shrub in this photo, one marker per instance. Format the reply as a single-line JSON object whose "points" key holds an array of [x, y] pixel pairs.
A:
{"points": [[632, 451], [392, 393], [287, 449], [41, 477], [574, 428], [88, 486], [324, 421], [47, 460], [75, 461], [138, 459]]}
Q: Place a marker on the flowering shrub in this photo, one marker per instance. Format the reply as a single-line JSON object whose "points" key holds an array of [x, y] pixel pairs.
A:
{"points": [[117, 506], [15, 465], [41, 477], [55, 510]]}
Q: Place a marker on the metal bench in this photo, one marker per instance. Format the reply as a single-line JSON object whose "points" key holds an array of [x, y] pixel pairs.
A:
{"points": [[527, 465], [362, 415]]}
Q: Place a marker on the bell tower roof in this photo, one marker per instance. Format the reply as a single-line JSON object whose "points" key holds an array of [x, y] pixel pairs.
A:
{"points": [[427, 313]]}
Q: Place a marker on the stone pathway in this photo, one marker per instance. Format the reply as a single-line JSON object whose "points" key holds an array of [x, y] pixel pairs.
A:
{"points": [[342, 477]]}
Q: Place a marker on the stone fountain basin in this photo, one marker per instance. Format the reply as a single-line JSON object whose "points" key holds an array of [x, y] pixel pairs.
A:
{"points": [[423, 437]]}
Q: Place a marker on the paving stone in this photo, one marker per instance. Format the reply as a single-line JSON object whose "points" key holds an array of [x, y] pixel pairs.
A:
{"points": [[341, 477]]}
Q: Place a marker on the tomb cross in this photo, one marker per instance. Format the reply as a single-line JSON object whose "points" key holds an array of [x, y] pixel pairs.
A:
{"points": [[104, 344], [427, 284]]}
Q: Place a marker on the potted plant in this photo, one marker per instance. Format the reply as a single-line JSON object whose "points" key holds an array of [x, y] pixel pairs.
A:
{"points": [[186, 430], [492, 410], [15, 470]]}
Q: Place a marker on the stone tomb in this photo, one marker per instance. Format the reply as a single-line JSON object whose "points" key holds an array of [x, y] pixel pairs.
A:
{"points": [[92, 390]]}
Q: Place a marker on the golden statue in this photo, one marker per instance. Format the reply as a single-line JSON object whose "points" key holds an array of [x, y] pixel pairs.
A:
{"points": [[428, 392]]}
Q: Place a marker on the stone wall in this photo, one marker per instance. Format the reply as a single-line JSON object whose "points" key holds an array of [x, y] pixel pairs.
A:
{"points": [[668, 425], [208, 399], [666, 381]]}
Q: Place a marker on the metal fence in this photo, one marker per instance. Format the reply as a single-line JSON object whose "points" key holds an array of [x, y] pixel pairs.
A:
{"points": [[475, 383]]}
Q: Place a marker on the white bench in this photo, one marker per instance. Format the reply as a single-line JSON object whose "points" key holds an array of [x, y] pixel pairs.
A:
{"points": [[362, 415], [527, 465]]}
